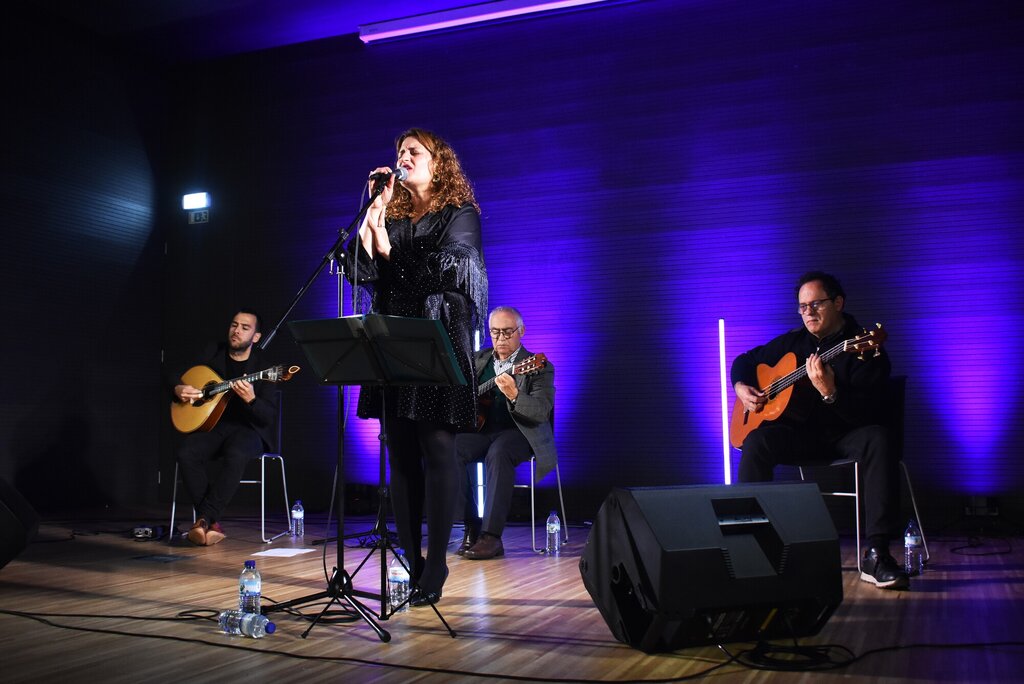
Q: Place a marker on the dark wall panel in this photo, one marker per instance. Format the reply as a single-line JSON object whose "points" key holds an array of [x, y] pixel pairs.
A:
{"points": [[646, 169], [79, 418]]}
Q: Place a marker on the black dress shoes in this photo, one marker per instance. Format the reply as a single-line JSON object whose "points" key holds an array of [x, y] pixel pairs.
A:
{"points": [[487, 546], [882, 570], [469, 537]]}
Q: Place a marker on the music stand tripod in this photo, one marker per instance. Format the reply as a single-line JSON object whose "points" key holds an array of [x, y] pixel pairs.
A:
{"points": [[385, 351]]}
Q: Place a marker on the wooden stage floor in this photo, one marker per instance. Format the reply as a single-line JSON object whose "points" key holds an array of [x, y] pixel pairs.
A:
{"points": [[113, 604]]}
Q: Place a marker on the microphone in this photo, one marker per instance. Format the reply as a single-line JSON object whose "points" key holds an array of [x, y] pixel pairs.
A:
{"points": [[400, 174]]}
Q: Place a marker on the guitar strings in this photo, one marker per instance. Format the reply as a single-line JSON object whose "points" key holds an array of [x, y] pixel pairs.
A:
{"points": [[785, 381]]}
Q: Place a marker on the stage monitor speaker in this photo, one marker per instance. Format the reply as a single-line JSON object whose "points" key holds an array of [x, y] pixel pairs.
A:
{"points": [[18, 523], [671, 567]]}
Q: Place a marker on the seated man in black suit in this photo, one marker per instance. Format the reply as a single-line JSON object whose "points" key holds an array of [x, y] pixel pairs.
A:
{"points": [[244, 431], [516, 423], [832, 414]]}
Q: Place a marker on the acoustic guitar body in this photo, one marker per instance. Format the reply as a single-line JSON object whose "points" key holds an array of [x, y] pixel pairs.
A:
{"points": [[744, 422], [203, 414]]}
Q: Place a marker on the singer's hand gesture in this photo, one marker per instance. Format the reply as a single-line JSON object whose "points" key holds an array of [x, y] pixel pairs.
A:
{"points": [[373, 234]]}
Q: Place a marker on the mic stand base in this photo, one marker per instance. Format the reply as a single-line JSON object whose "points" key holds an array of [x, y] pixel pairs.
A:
{"points": [[339, 589]]}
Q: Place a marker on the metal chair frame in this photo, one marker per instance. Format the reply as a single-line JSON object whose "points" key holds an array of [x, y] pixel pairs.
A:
{"points": [[896, 400], [855, 494], [261, 481], [481, 487]]}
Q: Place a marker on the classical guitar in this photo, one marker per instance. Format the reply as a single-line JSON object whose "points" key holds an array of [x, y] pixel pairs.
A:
{"points": [[203, 413], [777, 383], [528, 365]]}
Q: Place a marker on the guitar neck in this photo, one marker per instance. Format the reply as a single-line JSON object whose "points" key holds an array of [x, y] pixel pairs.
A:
{"points": [[225, 385], [486, 387], [801, 372]]}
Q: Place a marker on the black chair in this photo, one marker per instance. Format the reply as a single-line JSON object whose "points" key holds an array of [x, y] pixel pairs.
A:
{"points": [[894, 410]]}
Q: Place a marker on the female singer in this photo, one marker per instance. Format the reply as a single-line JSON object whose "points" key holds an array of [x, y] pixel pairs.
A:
{"points": [[420, 254]]}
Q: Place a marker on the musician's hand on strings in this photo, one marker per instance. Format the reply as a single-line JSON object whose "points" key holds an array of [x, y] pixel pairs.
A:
{"points": [[244, 390], [821, 375], [507, 386], [753, 399], [187, 393]]}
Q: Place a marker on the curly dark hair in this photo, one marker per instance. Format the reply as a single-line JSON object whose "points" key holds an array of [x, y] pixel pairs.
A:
{"points": [[449, 185]]}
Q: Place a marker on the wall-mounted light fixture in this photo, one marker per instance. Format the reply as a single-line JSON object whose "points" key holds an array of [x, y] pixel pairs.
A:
{"points": [[197, 204], [462, 16]]}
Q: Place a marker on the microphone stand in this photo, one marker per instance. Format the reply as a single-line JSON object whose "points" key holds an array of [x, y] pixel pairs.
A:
{"points": [[334, 253], [339, 587]]}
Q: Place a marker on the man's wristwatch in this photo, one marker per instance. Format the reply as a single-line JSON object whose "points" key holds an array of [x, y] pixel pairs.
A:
{"points": [[830, 398]]}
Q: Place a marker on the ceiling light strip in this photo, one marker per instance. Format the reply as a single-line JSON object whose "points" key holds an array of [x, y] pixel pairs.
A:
{"points": [[461, 16]]}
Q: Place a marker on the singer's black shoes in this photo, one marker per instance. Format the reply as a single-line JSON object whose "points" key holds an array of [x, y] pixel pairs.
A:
{"points": [[882, 570], [426, 597]]}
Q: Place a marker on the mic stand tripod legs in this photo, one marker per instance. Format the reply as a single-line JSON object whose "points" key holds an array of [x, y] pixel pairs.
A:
{"points": [[340, 587]]}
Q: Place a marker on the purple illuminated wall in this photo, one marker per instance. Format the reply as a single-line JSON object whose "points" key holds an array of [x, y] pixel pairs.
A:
{"points": [[648, 168]]}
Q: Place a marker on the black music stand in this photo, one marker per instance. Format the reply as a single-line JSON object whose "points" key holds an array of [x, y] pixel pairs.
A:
{"points": [[383, 351]]}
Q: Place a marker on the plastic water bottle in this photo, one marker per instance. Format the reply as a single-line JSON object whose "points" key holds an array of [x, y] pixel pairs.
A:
{"points": [[250, 588], [298, 520], [554, 528], [913, 549], [398, 583], [249, 624]]}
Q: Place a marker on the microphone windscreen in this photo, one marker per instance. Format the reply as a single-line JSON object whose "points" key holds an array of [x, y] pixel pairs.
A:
{"points": [[401, 173]]}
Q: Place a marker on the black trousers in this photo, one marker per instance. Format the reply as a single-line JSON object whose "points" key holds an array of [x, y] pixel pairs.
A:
{"points": [[778, 443], [233, 445], [423, 480], [501, 451]]}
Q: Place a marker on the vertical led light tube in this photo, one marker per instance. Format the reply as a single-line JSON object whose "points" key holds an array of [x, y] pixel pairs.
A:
{"points": [[726, 447]]}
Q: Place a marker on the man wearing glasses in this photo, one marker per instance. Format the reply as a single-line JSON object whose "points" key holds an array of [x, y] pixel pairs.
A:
{"points": [[833, 413], [516, 422]]}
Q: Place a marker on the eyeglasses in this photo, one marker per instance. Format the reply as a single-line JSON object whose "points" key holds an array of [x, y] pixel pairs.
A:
{"points": [[813, 306], [506, 333]]}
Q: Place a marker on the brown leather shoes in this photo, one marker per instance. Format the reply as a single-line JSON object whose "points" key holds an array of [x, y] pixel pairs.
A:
{"points": [[197, 535], [487, 546], [215, 534], [469, 537], [205, 534]]}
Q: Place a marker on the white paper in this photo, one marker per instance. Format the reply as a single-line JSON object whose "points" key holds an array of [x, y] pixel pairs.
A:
{"points": [[282, 552]]}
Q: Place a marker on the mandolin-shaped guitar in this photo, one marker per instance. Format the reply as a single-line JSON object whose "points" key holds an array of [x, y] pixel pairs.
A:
{"points": [[777, 383], [203, 413]]}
